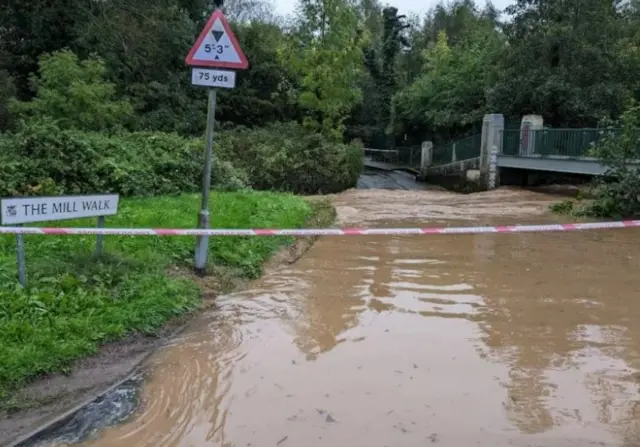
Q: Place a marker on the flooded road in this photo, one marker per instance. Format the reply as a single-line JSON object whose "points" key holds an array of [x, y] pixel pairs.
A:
{"points": [[491, 340], [378, 179]]}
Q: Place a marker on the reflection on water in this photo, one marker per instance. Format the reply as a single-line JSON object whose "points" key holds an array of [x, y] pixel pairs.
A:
{"points": [[510, 339]]}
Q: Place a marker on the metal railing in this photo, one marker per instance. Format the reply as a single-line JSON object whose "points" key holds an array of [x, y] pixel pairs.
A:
{"points": [[570, 143], [382, 155], [442, 154], [409, 156], [400, 156], [458, 150]]}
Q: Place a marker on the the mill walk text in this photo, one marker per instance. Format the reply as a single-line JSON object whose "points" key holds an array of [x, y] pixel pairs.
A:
{"points": [[40, 209]]}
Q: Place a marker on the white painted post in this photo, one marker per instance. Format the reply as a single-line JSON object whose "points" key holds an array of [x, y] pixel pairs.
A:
{"points": [[493, 169], [454, 158]]}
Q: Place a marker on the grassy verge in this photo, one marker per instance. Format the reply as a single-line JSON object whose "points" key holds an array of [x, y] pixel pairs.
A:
{"points": [[75, 303]]}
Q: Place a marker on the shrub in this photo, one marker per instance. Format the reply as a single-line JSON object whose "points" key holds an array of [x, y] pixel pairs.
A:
{"points": [[42, 159], [617, 193], [286, 157]]}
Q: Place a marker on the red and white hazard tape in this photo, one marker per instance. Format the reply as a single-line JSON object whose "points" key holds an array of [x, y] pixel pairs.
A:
{"points": [[321, 231]]}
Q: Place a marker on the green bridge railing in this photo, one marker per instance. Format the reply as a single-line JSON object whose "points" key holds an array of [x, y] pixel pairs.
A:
{"points": [[567, 143], [463, 149], [570, 143]]}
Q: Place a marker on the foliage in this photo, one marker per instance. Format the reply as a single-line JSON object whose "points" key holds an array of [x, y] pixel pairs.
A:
{"points": [[75, 95], [617, 194], [325, 53], [43, 159], [450, 96], [143, 44], [371, 118], [74, 302], [32, 29], [558, 67], [286, 157], [7, 91], [346, 68], [338, 64], [265, 93]]}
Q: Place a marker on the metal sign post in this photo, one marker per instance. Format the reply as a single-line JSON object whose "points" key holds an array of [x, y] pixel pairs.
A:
{"points": [[22, 265], [215, 48], [202, 242], [100, 237]]}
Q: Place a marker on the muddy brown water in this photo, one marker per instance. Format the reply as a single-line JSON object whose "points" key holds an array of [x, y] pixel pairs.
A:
{"points": [[490, 340]]}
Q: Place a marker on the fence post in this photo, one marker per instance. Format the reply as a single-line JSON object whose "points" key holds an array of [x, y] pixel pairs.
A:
{"points": [[426, 158], [454, 156]]}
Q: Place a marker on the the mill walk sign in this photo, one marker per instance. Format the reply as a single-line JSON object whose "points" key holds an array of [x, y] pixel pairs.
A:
{"points": [[23, 210], [212, 58]]}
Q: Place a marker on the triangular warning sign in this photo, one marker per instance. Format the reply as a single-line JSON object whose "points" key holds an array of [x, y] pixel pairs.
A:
{"points": [[216, 46]]}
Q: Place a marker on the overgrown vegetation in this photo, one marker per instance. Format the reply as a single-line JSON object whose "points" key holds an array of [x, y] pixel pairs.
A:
{"points": [[74, 303], [617, 193], [75, 136], [43, 159], [286, 157]]}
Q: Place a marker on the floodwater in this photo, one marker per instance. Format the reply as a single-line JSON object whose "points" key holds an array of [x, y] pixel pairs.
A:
{"points": [[375, 178], [478, 340]]}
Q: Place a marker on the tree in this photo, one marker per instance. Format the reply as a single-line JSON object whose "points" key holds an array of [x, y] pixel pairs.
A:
{"points": [[449, 97], [7, 91], [74, 94], [557, 66], [143, 45], [385, 41], [29, 29], [265, 92], [325, 54]]}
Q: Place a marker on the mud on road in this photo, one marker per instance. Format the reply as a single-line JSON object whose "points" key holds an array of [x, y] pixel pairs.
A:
{"points": [[491, 339]]}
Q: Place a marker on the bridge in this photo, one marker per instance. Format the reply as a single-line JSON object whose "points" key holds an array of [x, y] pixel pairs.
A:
{"points": [[399, 159], [539, 150]]}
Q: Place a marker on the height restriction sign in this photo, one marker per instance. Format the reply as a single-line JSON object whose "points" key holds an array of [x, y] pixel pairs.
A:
{"points": [[217, 47]]}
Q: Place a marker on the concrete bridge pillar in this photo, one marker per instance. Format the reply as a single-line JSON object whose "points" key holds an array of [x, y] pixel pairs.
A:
{"points": [[490, 147], [426, 158]]}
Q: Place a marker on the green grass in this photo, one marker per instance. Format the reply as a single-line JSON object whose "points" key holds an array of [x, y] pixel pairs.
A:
{"points": [[74, 303]]}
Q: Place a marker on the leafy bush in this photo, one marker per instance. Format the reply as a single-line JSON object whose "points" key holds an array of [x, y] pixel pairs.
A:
{"points": [[42, 159], [617, 193], [286, 157]]}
